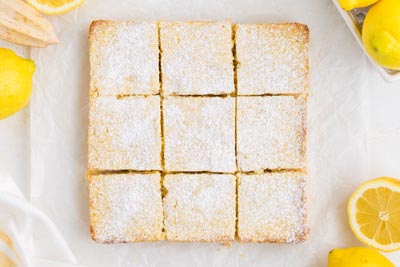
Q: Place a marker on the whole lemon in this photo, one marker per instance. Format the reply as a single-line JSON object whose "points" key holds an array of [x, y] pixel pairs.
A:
{"points": [[357, 257], [381, 33], [15, 82], [351, 4]]}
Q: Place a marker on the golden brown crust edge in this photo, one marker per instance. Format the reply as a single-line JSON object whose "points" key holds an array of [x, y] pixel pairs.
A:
{"points": [[300, 237]]}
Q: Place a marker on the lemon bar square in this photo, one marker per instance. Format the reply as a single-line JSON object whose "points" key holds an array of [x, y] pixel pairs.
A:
{"points": [[124, 134], [271, 132], [200, 207], [199, 134], [272, 58], [125, 208], [197, 58], [272, 207], [124, 58]]}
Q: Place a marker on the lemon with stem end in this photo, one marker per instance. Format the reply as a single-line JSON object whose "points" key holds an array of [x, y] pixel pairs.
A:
{"points": [[15, 82], [381, 33]]}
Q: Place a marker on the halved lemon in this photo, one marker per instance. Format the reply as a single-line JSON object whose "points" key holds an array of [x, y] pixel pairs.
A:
{"points": [[374, 213], [53, 7]]}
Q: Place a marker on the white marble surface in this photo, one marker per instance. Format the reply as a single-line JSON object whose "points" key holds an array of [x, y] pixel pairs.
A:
{"points": [[354, 132]]}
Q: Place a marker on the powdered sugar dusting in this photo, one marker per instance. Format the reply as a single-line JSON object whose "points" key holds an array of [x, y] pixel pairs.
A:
{"points": [[199, 134], [125, 133], [197, 57], [198, 131], [272, 58], [125, 207], [272, 207], [200, 207], [271, 133], [124, 58]]}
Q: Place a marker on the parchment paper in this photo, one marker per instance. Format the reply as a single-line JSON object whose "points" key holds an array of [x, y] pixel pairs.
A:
{"points": [[338, 139], [14, 138]]}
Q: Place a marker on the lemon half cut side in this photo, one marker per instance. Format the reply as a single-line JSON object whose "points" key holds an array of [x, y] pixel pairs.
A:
{"points": [[374, 213], [54, 7]]}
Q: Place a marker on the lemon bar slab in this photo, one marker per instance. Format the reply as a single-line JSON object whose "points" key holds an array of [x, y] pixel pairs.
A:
{"points": [[124, 58], [271, 132], [272, 207], [199, 134], [200, 207], [272, 58], [124, 134], [125, 208], [196, 58]]}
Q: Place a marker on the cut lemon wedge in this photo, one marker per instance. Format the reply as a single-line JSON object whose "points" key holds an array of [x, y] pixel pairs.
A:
{"points": [[374, 213], [53, 7]]}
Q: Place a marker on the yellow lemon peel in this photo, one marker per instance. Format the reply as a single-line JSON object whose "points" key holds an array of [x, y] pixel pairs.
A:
{"points": [[351, 4], [15, 82], [381, 33]]}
